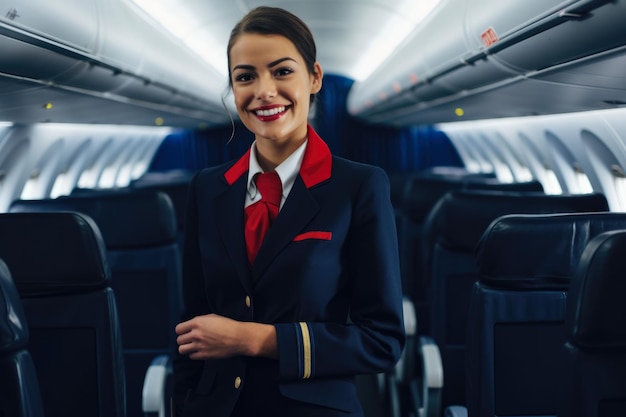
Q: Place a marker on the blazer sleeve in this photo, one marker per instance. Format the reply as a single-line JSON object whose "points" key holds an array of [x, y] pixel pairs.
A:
{"points": [[373, 338], [187, 371]]}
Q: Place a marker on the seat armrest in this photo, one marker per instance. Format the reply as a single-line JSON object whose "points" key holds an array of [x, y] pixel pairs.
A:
{"points": [[432, 378], [394, 384], [404, 369], [455, 411], [157, 388]]}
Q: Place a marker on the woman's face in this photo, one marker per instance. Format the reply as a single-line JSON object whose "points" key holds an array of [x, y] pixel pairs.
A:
{"points": [[272, 87]]}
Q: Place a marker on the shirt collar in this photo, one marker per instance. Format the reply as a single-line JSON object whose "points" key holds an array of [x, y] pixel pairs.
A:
{"points": [[287, 170], [316, 165]]}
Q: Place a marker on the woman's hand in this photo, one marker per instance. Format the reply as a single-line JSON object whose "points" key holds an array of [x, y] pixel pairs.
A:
{"points": [[212, 337]]}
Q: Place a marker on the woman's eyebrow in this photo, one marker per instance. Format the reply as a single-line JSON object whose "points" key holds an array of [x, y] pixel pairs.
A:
{"points": [[270, 65], [278, 61], [244, 67]]}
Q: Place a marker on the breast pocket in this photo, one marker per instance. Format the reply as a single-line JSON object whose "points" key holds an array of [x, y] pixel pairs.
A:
{"points": [[315, 234]]}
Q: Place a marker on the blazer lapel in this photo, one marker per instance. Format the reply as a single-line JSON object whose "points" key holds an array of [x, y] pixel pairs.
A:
{"points": [[230, 223], [298, 210], [295, 214]]}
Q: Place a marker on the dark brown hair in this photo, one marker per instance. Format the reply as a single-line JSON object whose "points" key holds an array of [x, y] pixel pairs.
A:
{"points": [[266, 20]]}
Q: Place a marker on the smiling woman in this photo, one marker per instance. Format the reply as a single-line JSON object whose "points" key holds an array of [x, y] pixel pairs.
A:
{"points": [[271, 81], [306, 328], [291, 283]]}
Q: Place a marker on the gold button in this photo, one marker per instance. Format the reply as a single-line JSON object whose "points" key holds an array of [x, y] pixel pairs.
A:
{"points": [[248, 301], [237, 382]]}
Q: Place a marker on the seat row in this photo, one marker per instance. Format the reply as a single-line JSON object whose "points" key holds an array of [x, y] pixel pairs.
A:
{"points": [[450, 231], [535, 271], [99, 277]]}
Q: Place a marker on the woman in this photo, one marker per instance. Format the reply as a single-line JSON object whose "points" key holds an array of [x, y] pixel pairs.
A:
{"points": [[285, 332]]}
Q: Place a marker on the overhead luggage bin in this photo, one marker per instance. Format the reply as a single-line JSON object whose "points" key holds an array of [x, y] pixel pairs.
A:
{"points": [[460, 51], [109, 50]]}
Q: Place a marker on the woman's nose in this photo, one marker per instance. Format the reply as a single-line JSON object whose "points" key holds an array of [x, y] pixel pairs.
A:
{"points": [[266, 88]]}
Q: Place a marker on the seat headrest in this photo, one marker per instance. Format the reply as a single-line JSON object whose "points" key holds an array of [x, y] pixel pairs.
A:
{"points": [[459, 219], [13, 326], [596, 312], [159, 178], [177, 191], [424, 191], [53, 253], [539, 251], [126, 219], [494, 185]]}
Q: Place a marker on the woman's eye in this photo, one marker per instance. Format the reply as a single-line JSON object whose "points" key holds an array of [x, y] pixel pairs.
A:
{"points": [[283, 71], [243, 77]]}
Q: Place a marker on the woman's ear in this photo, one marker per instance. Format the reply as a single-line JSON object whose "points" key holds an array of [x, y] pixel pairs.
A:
{"points": [[317, 76]]}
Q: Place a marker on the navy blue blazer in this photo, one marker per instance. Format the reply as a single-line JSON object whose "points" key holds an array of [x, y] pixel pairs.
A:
{"points": [[326, 276]]}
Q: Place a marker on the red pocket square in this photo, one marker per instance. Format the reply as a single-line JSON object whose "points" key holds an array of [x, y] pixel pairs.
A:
{"points": [[313, 235]]}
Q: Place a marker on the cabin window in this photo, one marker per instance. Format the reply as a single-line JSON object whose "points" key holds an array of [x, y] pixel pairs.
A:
{"points": [[519, 171], [107, 179], [609, 172], [62, 185], [498, 159], [123, 177], [551, 184], [88, 178], [582, 180], [139, 169], [503, 173], [619, 179], [523, 174], [29, 192]]}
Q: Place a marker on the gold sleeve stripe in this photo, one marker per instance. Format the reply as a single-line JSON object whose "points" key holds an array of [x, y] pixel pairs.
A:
{"points": [[306, 345]]}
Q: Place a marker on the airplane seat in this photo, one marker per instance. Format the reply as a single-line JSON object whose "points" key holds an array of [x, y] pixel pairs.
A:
{"points": [[421, 193], [451, 232], [163, 177], [176, 186], [398, 182], [456, 171], [20, 395], [495, 185], [139, 231], [515, 361], [595, 329], [59, 266]]}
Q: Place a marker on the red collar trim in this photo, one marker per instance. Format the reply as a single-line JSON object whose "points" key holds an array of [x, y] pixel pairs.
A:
{"points": [[316, 162], [237, 170]]}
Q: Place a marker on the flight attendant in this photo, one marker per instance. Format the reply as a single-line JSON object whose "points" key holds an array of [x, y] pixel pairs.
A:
{"points": [[285, 300]]}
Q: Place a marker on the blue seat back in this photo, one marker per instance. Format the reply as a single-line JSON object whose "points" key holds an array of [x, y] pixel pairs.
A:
{"points": [[451, 233], [58, 263], [421, 194], [175, 186], [19, 387], [595, 329], [140, 235], [515, 333]]}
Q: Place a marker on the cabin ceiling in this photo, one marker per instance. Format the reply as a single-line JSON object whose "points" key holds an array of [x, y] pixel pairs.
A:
{"points": [[81, 68]]}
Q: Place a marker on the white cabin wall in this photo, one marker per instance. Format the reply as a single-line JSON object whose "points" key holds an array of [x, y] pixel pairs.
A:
{"points": [[591, 142], [15, 148], [49, 160]]}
